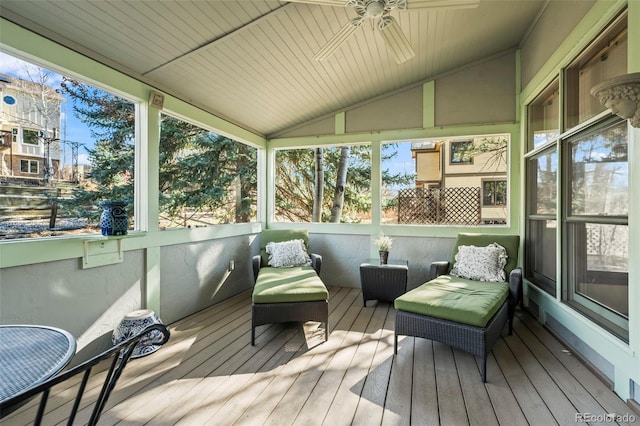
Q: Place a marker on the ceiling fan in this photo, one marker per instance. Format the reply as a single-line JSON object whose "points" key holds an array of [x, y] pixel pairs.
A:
{"points": [[380, 10]]}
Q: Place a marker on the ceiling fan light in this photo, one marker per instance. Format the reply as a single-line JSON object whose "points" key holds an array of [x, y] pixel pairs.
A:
{"points": [[375, 8]]}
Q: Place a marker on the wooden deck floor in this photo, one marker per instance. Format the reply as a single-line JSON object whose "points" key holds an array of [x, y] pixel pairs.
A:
{"points": [[209, 374]]}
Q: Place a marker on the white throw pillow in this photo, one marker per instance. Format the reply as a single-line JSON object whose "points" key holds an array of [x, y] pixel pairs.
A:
{"points": [[287, 254], [481, 263]]}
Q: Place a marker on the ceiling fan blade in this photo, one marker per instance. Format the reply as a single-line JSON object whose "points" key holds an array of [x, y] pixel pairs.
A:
{"points": [[395, 40], [339, 38], [321, 2], [441, 4]]}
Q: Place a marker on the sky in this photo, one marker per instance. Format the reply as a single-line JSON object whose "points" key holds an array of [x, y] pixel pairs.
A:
{"points": [[72, 130], [402, 163]]}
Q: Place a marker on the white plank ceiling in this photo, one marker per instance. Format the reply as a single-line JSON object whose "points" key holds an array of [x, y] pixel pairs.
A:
{"points": [[251, 61]]}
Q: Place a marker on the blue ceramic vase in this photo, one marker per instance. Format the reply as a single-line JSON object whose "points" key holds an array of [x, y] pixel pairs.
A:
{"points": [[114, 220], [132, 324]]}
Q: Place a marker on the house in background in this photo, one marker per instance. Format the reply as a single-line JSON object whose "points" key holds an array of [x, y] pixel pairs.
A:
{"points": [[30, 126], [461, 169]]}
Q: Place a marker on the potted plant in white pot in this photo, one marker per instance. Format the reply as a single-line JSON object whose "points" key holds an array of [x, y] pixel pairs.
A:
{"points": [[383, 243]]}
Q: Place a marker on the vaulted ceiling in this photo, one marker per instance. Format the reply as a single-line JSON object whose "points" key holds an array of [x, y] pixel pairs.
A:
{"points": [[251, 62]]}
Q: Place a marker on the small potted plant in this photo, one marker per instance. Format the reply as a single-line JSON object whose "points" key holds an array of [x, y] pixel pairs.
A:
{"points": [[384, 243]]}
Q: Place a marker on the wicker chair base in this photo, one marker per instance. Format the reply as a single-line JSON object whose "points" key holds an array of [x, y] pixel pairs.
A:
{"points": [[477, 341], [268, 313]]}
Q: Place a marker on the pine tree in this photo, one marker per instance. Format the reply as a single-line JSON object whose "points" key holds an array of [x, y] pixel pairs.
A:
{"points": [[200, 172]]}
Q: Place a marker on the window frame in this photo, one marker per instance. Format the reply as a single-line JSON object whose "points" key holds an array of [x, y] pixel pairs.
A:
{"points": [[601, 314], [569, 167], [25, 139], [274, 209], [452, 154], [495, 182], [551, 91], [604, 316], [37, 136], [29, 166], [538, 278], [596, 51], [498, 216], [598, 314], [210, 215]]}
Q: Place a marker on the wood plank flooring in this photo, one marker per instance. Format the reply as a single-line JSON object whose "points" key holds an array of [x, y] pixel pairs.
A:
{"points": [[209, 374]]}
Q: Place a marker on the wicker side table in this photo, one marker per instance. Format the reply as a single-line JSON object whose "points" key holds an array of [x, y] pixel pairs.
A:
{"points": [[383, 282]]}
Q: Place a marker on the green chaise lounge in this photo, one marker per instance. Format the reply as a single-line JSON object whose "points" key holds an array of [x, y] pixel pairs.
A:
{"points": [[287, 293], [467, 314]]}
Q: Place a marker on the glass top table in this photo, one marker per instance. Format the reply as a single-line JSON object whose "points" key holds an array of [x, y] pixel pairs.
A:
{"points": [[31, 354]]}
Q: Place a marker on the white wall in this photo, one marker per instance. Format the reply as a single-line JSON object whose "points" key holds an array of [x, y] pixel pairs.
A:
{"points": [[554, 25], [91, 302], [86, 302], [482, 93], [197, 275], [461, 98]]}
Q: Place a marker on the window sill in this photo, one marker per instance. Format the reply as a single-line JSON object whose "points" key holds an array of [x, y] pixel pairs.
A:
{"points": [[101, 250]]}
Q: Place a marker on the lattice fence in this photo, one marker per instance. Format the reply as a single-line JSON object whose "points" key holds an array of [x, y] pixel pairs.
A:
{"points": [[448, 206], [607, 240]]}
